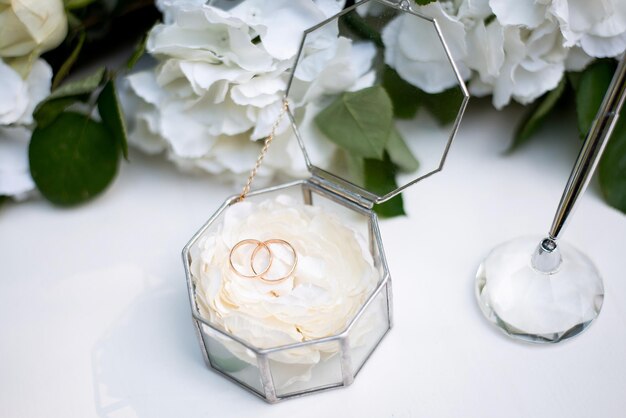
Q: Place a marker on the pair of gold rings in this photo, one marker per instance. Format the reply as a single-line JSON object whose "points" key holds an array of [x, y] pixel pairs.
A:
{"points": [[265, 246]]}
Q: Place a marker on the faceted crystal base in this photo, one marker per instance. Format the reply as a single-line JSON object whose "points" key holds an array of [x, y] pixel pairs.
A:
{"points": [[534, 306]]}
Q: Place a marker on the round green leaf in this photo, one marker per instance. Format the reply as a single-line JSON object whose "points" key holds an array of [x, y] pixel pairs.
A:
{"points": [[72, 159], [112, 115], [359, 121]]}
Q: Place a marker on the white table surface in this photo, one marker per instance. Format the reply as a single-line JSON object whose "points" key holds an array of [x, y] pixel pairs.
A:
{"points": [[95, 320]]}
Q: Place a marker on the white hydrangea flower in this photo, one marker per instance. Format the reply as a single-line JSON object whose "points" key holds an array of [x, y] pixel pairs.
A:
{"points": [[18, 99], [527, 13], [15, 179], [218, 88], [19, 96], [598, 27], [518, 63], [414, 50]]}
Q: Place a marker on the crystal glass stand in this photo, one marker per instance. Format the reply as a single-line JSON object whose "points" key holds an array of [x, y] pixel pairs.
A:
{"points": [[543, 290], [531, 305]]}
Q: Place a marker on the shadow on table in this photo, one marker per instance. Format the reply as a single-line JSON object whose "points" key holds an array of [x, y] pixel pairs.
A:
{"points": [[148, 364]]}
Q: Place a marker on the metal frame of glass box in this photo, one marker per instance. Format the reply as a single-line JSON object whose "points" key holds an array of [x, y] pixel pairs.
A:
{"points": [[309, 188], [347, 195]]}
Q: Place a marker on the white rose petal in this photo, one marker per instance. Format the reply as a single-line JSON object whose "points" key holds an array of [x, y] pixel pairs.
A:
{"points": [[28, 26]]}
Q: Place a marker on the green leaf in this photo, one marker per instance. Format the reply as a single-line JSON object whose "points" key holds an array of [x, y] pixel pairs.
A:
{"points": [[49, 110], [112, 115], [400, 154], [80, 87], [423, 2], [359, 121], [77, 4], [72, 20], [405, 97], [355, 167], [66, 95], [536, 116], [573, 77], [73, 159], [593, 83], [444, 106], [69, 62], [490, 19], [137, 53], [612, 167], [361, 28], [3, 200], [380, 178]]}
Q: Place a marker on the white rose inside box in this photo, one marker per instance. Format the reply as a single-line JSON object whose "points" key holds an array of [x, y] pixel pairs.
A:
{"points": [[315, 327]]}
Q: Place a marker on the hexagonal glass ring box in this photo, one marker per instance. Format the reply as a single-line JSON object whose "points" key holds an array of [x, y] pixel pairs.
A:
{"points": [[377, 68]]}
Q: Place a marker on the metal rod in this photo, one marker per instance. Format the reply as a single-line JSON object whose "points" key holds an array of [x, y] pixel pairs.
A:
{"points": [[592, 149]]}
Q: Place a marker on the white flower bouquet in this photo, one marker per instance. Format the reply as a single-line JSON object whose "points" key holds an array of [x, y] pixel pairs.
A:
{"points": [[222, 68]]}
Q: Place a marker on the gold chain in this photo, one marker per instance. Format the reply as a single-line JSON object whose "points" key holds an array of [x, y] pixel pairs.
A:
{"points": [[266, 145]]}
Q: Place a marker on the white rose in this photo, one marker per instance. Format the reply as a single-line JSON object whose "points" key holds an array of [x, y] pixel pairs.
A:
{"points": [[599, 27], [19, 97], [15, 179], [31, 26], [334, 276], [414, 50]]}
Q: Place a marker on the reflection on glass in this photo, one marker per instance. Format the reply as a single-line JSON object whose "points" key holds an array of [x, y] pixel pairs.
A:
{"points": [[231, 358], [322, 368], [375, 97], [368, 330]]}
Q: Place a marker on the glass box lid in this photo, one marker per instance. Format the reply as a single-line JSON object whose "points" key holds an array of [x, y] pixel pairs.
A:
{"points": [[375, 98]]}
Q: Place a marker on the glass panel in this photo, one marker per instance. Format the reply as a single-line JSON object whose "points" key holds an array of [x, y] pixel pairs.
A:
{"points": [[294, 192], [374, 97], [369, 330], [306, 368], [232, 358], [350, 217]]}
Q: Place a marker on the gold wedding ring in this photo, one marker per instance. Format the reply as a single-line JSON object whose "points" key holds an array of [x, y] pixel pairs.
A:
{"points": [[259, 244], [263, 246]]}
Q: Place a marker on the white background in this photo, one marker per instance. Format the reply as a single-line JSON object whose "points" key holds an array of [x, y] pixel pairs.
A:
{"points": [[95, 320]]}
